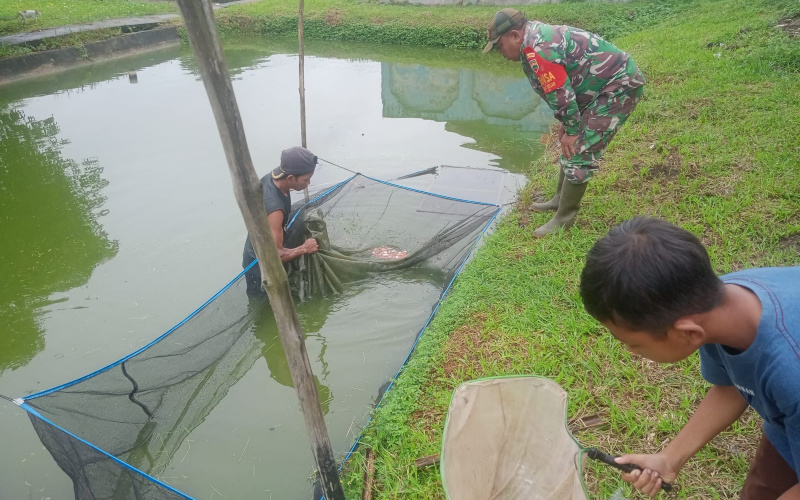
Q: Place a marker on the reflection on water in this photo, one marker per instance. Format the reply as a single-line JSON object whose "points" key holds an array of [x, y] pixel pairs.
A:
{"points": [[51, 239], [493, 110], [500, 112], [442, 94], [266, 330], [117, 220], [254, 440]]}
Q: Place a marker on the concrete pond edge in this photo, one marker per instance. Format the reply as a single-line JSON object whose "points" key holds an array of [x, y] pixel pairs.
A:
{"points": [[50, 61]]}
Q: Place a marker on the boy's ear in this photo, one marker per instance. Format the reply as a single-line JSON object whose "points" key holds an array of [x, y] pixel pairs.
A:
{"points": [[688, 328]]}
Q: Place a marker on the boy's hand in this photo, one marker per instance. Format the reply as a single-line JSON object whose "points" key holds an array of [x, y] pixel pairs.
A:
{"points": [[657, 469]]}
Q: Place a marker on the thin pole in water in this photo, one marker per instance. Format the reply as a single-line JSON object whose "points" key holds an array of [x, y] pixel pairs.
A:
{"points": [[302, 84], [204, 39]]}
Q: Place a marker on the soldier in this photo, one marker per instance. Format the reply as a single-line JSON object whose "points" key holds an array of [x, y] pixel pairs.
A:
{"points": [[591, 85]]}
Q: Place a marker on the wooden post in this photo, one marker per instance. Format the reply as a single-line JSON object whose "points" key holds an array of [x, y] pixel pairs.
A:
{"points": [[369, 475], [302, 44], [204, 38]]}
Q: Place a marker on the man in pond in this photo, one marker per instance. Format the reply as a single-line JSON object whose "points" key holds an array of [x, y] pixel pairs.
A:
{"points": [[591, 85], [293, 174]]}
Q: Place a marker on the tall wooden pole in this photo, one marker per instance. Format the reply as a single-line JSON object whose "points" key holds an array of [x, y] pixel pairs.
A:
{"points": [[302, 83], [204, 38]]}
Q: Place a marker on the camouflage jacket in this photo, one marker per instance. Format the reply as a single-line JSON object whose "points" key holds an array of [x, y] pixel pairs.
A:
{"points": [[568, 67]]}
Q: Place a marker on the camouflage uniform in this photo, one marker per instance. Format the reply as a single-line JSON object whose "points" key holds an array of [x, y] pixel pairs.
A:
{"points": [[590, 84]]}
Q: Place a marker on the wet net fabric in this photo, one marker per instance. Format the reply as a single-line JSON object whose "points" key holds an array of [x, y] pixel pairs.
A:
{"points": [[507, 439], [370, 226], [115, 431], [85, 465], [141, 409]]}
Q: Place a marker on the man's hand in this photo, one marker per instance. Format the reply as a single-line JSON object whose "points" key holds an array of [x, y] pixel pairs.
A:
{"points": [[658, 468], [567, 143], [310, 246]]}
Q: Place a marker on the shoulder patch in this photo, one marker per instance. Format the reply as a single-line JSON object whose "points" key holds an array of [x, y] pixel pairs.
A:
{"points": [[551, 75], [530, 55]]}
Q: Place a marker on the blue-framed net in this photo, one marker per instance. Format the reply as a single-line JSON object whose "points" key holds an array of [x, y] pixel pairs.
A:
{"points": [[117, 430]]}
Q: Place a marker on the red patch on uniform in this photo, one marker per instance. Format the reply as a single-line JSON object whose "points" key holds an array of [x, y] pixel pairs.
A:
{"points": [[530, 55], [551, 75]]}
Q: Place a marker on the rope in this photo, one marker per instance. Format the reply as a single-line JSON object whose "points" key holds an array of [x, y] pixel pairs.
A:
{"points": [[358, 173], [7, 398], [335, 165]]}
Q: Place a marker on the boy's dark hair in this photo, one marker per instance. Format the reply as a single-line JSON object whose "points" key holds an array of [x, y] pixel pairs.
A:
{"points": [[647, 273]]}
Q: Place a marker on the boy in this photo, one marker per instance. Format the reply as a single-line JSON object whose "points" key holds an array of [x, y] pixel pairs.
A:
{"points": [[294, 174], [591, 85], [652, 285]]}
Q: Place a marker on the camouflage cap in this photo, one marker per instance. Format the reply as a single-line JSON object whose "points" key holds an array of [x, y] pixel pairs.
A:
{"points": [[501, 23]]}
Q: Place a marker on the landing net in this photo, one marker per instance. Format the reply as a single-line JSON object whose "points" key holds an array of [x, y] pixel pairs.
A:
{"points": [[506, 438]]}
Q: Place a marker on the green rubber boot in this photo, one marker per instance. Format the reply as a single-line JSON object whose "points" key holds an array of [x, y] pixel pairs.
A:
{"points": [[568, 206], [553, 203]]}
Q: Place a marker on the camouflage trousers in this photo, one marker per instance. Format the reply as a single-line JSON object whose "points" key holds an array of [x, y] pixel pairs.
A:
{"points": [[600, 121]]}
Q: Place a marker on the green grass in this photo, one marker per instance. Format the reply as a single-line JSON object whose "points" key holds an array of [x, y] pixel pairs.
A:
{"points": [[346, 20], [714, 148], [447, 26], [61, 12]]}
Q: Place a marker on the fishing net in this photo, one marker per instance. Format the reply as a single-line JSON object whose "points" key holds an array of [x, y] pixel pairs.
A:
{"points": [[115, 431], [507, 439], [367, 238]]}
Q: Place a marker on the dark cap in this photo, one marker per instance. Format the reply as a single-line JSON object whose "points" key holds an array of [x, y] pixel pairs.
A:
{"points": [[295, 161], [501, 23]]}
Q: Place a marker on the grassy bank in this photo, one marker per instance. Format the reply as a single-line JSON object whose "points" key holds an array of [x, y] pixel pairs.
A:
{"points": [[345, 20], [441, 26], [712, 148], [55, 13], [60, 13]]}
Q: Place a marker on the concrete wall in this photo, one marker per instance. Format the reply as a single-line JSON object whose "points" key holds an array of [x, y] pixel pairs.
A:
{"points": [[38, 63]]}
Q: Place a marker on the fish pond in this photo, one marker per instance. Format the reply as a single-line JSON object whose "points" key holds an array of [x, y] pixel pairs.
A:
{"points": [[118, 220]]}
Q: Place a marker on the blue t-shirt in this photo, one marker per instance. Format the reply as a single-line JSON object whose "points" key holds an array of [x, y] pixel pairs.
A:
{"points": [[767, 374]]}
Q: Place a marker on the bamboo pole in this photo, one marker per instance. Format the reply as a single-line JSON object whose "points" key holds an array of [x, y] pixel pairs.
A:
{"points": [[204, 39], [302, 44], [369, 475]]}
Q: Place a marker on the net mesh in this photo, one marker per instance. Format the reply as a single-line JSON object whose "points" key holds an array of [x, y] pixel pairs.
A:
{"points": [[506, 439], [116, 430]]}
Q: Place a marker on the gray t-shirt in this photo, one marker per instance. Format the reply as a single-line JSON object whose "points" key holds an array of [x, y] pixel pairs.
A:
{"points": [[274, 200]]}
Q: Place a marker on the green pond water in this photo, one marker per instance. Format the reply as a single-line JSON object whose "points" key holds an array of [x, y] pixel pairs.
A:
{"points": [[117, 220]]}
